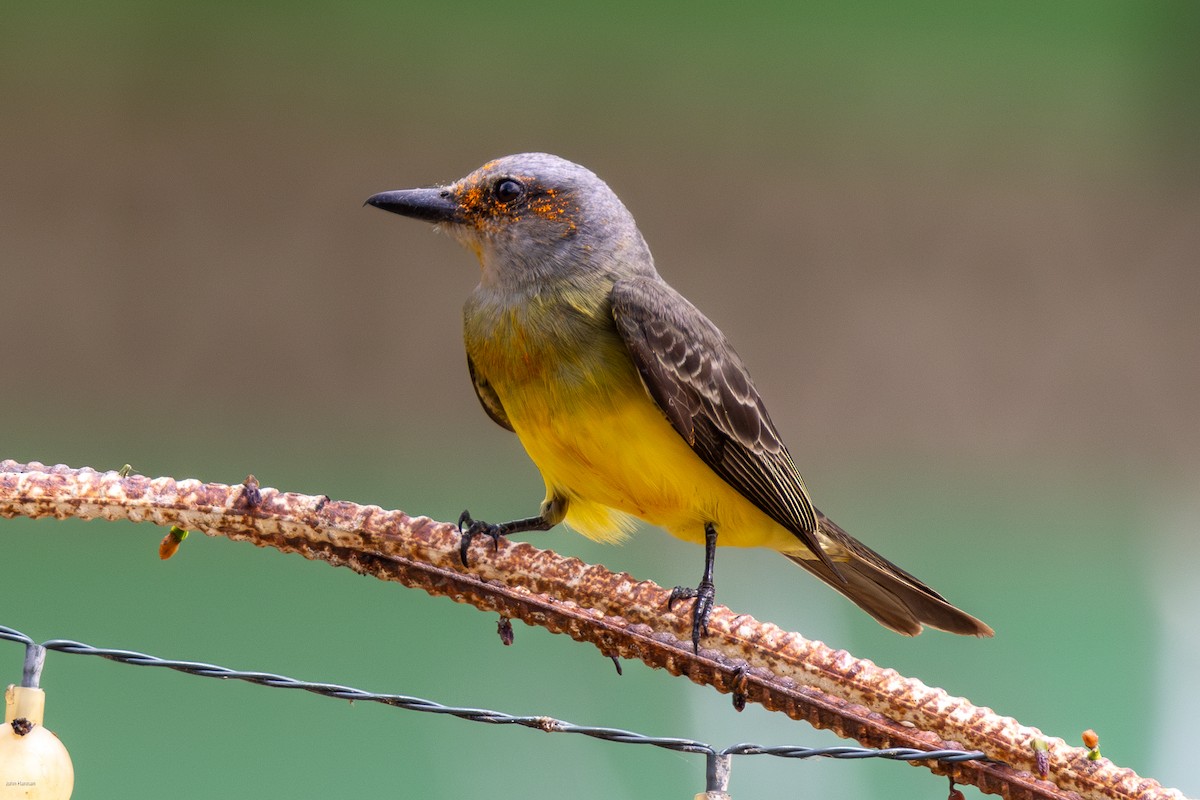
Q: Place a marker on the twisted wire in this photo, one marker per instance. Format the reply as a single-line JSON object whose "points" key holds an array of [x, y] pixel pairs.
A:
{"points": [[539, 722]]}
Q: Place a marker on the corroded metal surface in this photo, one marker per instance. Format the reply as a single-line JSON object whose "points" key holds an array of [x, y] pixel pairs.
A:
{"points": [[619, 615]]}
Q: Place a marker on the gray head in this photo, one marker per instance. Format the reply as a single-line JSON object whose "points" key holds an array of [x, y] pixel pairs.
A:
{"points": [[531, 218]]}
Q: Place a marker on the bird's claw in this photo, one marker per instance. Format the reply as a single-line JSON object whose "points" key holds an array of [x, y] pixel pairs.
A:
{"points": [[469, 528], [680, 593], [705, 595]]}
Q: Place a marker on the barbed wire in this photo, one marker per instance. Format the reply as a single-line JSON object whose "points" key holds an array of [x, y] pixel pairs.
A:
{"points": [[717, 759]]}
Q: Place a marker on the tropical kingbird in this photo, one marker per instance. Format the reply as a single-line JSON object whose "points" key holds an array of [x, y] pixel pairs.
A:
{"points": [[630, 401]]}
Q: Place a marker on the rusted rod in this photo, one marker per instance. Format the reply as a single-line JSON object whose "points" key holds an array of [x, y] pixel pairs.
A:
{"points": [[619, 615]]}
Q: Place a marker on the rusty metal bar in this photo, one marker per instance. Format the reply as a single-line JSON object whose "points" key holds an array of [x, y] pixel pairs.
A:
{"points": [[619, 615]]}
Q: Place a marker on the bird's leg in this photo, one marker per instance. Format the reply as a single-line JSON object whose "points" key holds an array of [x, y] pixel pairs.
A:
{"points": [[470, 528], [705, 593], [553, 511]]}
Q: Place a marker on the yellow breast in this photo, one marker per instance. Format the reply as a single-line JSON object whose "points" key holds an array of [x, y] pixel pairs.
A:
{"points": [[606, 447], [578, 405]]}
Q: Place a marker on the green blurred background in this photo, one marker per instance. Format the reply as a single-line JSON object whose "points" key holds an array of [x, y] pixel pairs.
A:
{"points": [[956, 243]]}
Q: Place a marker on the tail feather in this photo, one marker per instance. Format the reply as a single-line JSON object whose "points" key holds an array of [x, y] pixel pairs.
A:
{"points": [[892, 596]]}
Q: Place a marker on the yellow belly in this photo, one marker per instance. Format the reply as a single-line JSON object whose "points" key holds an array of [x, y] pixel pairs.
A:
{"points": [[608, 448]]}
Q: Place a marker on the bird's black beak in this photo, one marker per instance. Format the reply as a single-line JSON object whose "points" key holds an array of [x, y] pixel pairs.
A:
{"points": [[431, 205]]}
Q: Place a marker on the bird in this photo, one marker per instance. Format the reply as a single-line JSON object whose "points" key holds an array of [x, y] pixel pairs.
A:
{"points": [[630, 401]]}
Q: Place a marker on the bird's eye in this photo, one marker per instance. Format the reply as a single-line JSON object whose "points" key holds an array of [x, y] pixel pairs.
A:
{"points": [[508, 190]]}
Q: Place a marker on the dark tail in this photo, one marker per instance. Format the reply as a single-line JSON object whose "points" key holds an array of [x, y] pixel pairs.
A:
{"points": [[889, 594]]}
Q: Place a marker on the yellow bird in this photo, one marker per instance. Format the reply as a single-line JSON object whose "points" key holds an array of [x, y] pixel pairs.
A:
{"points": [[629, 400]]}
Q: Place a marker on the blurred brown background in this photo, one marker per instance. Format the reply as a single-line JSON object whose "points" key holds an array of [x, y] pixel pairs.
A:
{"points": [[957, 245]]}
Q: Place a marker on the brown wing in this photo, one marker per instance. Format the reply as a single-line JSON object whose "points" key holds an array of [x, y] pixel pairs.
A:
{"points": [[703, 388], [488, 397]]}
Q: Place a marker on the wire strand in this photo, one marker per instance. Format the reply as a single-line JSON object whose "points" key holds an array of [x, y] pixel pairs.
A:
{"points": [[539, 722]]}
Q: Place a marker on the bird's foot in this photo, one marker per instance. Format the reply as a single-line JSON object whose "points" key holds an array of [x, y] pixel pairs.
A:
{"points": [[469, 528], [705, 595]]}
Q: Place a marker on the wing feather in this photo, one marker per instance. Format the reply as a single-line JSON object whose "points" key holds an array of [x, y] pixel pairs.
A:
{"points": [[703, 388], [488, 397]]}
